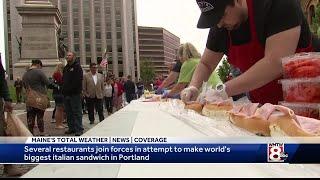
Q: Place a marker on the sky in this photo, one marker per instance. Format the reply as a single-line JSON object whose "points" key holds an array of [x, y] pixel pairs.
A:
{"points": [[180, 17]]}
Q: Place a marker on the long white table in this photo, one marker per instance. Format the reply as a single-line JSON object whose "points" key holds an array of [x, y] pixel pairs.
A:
{"points": [[147, 119]]}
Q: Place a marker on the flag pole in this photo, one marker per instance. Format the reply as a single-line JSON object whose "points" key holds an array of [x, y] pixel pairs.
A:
{"points": [[105, 57]]}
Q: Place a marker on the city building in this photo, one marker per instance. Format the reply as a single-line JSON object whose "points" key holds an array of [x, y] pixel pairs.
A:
{"points": [[158, 46], [89, 28]]}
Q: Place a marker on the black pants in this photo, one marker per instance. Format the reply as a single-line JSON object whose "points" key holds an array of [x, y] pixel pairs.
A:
{"points": [[73, 109], [19, 95], [34, 113], [95, 103], [108, 104], [84, 104], [130, 97], [54, 112]]}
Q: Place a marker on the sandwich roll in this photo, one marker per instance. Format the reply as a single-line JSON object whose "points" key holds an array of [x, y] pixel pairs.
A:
{"points": [[291, 125], [195, 106], [251, 118], [218, 110]]}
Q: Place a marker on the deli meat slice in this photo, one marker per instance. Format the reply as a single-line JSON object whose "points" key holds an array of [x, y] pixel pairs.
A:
{"points": [[265, 111], [246, 110], [250, 118], [273, 120], [294, 126], [237, 109], [225, 102], [309, 125], [289, 112], [249, 109]]}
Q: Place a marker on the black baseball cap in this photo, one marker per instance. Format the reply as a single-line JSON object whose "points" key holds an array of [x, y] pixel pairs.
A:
{"points": [[211, 12]]}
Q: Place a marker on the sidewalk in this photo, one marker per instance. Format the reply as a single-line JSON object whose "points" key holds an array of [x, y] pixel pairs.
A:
{"points": [[50, 129]]}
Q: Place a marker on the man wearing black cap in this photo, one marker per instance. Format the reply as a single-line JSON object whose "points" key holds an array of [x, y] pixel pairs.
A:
{"points": [[255, 35]]}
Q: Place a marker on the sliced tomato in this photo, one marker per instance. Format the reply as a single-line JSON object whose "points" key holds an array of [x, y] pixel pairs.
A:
{"points": [[305, 72], [303, 68], [307, 92]]}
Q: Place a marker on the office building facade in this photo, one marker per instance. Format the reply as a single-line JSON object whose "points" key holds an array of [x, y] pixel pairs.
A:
{"points": [[158, 46]]}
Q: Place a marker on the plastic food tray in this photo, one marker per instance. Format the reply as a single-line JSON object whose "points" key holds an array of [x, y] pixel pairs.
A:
{"points": [[301, 90], [302, 65]]}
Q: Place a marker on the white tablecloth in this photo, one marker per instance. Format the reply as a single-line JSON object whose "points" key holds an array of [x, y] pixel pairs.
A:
{"points": [[153, 119]]}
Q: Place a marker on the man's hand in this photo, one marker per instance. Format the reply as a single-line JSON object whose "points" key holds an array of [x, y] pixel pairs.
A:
{"points": [[160, 90], [221, 91], [214, 95], [165, 95], [189, 94], [8, 106]]}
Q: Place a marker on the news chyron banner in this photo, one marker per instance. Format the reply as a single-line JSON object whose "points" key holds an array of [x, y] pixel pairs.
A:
{"points": [[97, 150]]}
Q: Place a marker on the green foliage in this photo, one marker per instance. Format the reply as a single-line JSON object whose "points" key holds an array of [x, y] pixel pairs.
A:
{"points": [[224, 70], [315, 26], [147, 71]]}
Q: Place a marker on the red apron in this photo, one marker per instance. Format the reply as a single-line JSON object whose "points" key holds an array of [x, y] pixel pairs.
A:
{"points": [[246, 55]]}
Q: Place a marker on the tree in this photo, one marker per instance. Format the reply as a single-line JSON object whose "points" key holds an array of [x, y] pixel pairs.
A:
{"points": [[315, 26], [147, 71], [224, 70]]}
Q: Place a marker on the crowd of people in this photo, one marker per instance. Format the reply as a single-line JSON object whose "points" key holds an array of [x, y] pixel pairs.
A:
{"points": [[76, 93], [255, 35]]}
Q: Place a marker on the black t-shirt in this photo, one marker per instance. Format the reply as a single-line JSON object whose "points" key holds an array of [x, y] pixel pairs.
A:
{"points": [[271, 17], [177, 67], [129, 87]]}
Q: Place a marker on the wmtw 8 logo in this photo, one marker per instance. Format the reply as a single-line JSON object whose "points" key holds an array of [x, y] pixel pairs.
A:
{"points": [[276, 152]]}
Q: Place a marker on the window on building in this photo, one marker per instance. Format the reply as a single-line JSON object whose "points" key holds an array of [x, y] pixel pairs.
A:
{"points": [[88, 47], [98, 35], [75, 7], [109, 35], [97, 9], [76, 34], [64, 7], [108, 24], [77, 47], [119, 35], [87, 22], [118, 11], [118, 23], [64, 22], [75, 21], [88, 60], [87, 34]]}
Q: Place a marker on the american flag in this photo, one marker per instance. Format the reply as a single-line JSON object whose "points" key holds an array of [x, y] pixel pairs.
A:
{"points": [[104, 62]]}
